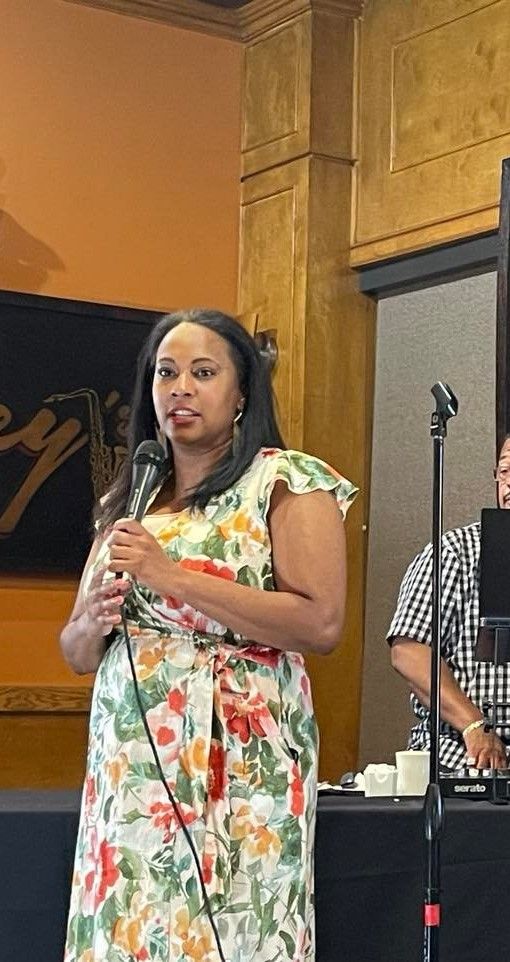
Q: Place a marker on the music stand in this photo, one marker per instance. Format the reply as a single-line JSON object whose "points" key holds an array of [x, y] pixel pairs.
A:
{"points": [[493, 642]]}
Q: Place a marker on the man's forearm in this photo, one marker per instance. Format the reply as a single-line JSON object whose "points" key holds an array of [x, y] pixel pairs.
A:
{"points": [[412, 660]]}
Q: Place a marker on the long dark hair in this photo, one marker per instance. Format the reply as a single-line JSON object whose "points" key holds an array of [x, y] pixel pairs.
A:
{"points": [[257, 428]]}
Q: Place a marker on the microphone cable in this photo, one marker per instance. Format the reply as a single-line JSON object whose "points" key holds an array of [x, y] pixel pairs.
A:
{"points": [[175, 806]]}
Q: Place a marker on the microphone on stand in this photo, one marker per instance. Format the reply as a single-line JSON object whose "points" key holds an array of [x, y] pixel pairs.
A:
{"points": [[148, 461]]}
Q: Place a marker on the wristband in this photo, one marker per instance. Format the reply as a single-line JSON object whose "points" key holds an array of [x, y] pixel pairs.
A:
{"points": [[472, 726]]}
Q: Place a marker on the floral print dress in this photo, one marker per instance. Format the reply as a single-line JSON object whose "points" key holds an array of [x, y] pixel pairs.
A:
{"points": [[236, 736]]}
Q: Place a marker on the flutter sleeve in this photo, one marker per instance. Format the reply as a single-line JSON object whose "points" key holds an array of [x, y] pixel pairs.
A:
{"points": [[303, 473]]}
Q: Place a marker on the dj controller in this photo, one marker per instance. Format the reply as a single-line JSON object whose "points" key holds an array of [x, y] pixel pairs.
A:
{"points": [[473, 783]]}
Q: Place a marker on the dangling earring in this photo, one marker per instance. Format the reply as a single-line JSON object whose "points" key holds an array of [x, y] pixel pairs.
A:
{"points": [[236, 433]]}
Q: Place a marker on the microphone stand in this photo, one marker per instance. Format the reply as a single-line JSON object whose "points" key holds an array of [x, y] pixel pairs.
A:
{"points": [[446, 407]]}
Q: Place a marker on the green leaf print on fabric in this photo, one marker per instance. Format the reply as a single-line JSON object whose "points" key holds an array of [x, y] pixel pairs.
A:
{"points": [[128, 725], [292, 843], [81, 932], [139, 771], [251, 752], [130, 865], [269, 924], [115, 955], [306, 763], [110, 912], [245, 576], [255, 897], [289, 942], [274, 708], [214, 547], [303, 729], [107, 705], [107, 807], [275, 785], [184, 788], [193, 900], [173, 884]]}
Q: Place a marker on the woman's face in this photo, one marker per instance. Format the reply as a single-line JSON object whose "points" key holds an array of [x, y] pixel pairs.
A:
{"points": [[195, 389]]}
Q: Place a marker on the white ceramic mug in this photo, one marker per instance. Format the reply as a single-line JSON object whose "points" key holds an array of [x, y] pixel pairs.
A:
{"points": [[412, 772]]}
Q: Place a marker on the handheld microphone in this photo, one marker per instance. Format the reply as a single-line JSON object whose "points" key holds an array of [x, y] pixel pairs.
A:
{"points": [[148, 461]]}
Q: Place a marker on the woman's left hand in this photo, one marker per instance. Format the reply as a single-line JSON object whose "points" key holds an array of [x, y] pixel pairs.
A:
{"points": [[134, 551]]}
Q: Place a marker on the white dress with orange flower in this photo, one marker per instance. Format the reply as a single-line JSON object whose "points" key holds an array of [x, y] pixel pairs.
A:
{"points": [[236, 735]]}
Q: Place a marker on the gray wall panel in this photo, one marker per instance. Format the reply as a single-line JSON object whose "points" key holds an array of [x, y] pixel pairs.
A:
{"points": [[441, 333]]}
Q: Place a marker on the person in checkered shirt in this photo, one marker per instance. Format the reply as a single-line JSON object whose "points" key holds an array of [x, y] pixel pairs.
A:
{"points": [[465, 683]]}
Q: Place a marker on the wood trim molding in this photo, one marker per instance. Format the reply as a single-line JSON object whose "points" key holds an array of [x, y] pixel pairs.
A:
{"points": [[22, 699], [258, 16], [188, 14], [241, 23], [408, 242]]}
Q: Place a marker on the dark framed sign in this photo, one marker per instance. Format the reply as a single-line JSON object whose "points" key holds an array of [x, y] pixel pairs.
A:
{"points": [[66, 376]]}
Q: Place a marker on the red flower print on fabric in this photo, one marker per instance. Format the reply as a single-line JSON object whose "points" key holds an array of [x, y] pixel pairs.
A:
{"points": [[217, 772], [207, 867], [165, 735], [249, 716], [164, 817], [90, 794], [297, 804], [209, 566], [176, 701], [107, 871], [270, 657]]}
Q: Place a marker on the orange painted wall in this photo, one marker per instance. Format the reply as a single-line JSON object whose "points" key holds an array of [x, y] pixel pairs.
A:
{"points": [[119, 183]]}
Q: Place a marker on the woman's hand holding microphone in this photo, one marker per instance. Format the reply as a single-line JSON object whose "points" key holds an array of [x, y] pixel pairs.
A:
{"points": [[134, 551]]}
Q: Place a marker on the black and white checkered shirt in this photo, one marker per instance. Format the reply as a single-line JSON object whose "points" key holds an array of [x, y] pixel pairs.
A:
{"points": [[413, 619]]}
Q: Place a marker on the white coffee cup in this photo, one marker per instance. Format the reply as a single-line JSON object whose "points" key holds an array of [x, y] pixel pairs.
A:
{"points": [[412, 772]]}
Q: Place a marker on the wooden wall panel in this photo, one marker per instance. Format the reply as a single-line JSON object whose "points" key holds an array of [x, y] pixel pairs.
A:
{"points": [[276, 114], [43, 751], [33, 610], [333, 50], [444, 103], [433, 125], [298, 85], [43, 734], [272, 280]]}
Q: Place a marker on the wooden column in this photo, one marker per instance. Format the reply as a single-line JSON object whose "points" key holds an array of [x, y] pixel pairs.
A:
{"points": [[297, 160]]}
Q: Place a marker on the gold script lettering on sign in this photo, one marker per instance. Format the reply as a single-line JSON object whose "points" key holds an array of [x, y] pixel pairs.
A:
{"points": [[39, 437]]}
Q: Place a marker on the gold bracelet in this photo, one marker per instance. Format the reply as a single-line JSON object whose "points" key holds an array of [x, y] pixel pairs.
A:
{"points": [[472, 726]]}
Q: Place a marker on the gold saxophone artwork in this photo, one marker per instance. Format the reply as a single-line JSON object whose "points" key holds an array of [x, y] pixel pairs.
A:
{"points": [[99, 453], [53, 444]]}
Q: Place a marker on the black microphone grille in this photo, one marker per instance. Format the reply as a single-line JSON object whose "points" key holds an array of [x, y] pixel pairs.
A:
{"points": [[149, 452]]}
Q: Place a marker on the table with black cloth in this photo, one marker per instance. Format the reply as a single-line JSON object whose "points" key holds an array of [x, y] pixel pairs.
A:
{"points": [[369, 878]]}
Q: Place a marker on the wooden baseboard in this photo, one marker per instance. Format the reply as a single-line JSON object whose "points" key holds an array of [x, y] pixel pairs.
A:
{"points": [[20, 699]]}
